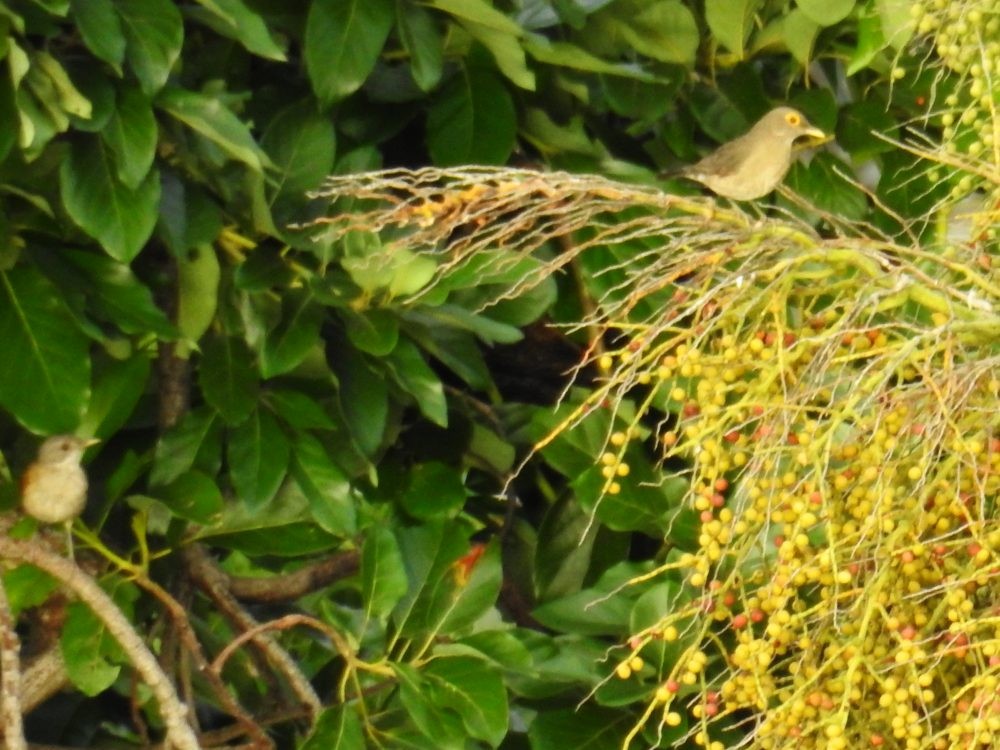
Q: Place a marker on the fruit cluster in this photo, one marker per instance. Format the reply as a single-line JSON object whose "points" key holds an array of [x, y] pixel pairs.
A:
{"points": [[846, 477]]}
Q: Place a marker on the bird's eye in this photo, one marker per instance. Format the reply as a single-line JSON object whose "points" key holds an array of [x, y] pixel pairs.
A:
{"points": [[793, 119]]}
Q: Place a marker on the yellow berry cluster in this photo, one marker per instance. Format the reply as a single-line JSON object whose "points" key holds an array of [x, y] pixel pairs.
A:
{"points": [[966, 38], [845, 592]]}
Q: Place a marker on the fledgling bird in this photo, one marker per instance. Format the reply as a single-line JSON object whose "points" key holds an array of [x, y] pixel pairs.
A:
{"points": [[754, 164], [54, 486]]}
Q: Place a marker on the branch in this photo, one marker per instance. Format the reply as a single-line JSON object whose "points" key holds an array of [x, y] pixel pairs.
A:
{"points": [[174, 713]]}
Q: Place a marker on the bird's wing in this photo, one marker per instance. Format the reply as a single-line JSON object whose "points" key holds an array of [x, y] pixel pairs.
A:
{"points": [[722, 162]]}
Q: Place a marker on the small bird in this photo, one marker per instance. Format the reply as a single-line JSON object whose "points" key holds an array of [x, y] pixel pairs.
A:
{"points": [[753, 165], [54, 486]]}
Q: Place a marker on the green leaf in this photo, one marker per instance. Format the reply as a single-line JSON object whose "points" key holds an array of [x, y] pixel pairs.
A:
{"points": [[118, 386], [101, 30], [565, 544], [47, 389], [586, 727], [343, 40], [119, 217], [372, 331], [228, 379], [383, 581], [111, 289], [731, 22], [568, 55], [416, 377], [435, 490], [897, 21], [475, 689], [302, 144], [299, 410], [436, 721], [364, 400], [422, 40], [336, 728], [235, 20], [198, 274], [80, 643], [258, 458], [826, 12], [827, 190], [193, 496], [506, 50], [471, 120], [131, 135], [799, 33], [289, 342], [27, 586], [603, 609], [213, 120], [154, 33], [479, 12], [664, 30], [178, 447], [325, 485]]}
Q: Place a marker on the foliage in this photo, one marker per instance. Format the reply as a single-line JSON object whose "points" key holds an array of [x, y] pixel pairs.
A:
{"points": [[327, 411]]}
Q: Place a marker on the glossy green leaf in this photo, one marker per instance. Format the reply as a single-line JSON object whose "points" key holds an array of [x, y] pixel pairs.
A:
{"points": [[118, 386], [435, 490], [119, 217], [302, 145], [567, 55], [27, 586], [343, 40], [731, 22], [115, 293], [287, 344], [364, 400], [236, 20], [383, 580], [824, 186], [602, 609], [799, 32], [154, 33], [471, 120], [299, 410], [897, 21], [198, 274], [423, 41], [473, 688], [586, 727], [131, 135], [228, 378], [258, 455], [826, 12], [213, 120], [178, 447], [101, 30], [435, 720], [565, 544], [48, 388], [80, 643], [665, 30], [416, 377], [336, 728], [325, 485], [480, 12], [372, 331], [507, 52], [194, 496]]}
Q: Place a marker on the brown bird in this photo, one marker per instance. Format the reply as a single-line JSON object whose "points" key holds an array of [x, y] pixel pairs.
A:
{"points": [[54, 487], [754, 164]]}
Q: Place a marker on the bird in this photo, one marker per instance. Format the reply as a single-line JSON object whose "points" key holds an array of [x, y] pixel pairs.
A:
{"points": [[54, 486], [755, 163]]}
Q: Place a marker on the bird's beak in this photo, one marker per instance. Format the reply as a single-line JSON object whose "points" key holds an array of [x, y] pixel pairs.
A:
{"points": [[817, 134], [90, 442]]}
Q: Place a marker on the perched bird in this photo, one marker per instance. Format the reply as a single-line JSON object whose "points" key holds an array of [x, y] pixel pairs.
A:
{"points": [[54, 486], [753, 165]]}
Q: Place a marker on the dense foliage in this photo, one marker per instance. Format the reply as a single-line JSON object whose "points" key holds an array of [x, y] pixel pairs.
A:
{"points": [[330, 407]]}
